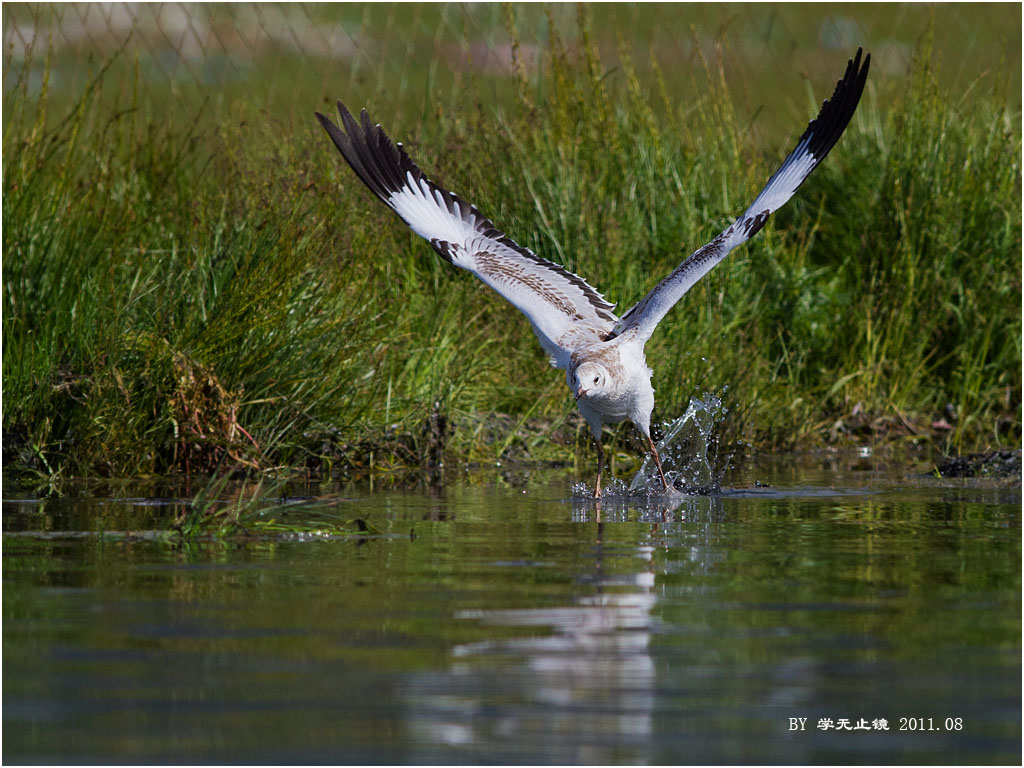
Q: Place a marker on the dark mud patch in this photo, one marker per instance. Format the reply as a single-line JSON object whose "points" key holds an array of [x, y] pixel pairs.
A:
{"points": [[1002, 464]]}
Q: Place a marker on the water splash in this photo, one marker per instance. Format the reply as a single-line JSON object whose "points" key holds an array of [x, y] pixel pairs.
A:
{"points": [[688, 450], [689, 456], [611, 488]]}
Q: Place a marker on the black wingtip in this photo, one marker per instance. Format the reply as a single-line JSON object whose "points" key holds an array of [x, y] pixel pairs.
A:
{"points": [[836, 112], [359, 146], [324, 121]]}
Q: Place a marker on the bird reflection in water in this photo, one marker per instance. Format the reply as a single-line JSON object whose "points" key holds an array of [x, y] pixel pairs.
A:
{"points": [[565, 683]]}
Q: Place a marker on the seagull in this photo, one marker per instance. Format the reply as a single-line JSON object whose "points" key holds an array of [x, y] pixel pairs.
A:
{"points": [[602, 354]]}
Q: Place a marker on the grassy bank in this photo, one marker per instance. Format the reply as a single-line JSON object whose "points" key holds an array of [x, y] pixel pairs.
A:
{"points": [[210, 288]]}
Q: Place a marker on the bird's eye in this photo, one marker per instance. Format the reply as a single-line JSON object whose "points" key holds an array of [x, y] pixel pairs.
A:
{"points": [[596, 379]]}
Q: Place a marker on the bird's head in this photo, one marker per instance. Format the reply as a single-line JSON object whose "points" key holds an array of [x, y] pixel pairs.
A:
{"points": [[588, 379]]}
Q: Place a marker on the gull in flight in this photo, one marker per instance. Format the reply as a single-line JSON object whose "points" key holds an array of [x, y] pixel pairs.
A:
{"points": [[601, 353]]}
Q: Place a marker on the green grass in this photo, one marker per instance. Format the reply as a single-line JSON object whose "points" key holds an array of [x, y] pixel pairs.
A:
{"points": [[195, 282]]}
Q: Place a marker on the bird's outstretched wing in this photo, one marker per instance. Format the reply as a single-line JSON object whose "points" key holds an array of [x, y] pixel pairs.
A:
{"points": [[821, 135], [563, 309]]}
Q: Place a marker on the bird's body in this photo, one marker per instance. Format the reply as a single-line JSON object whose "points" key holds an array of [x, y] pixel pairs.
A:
{"points": [[612, 382], [601, 353]]}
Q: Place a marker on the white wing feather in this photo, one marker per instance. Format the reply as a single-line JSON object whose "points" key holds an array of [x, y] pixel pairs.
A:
{"points": [[562, 308]]}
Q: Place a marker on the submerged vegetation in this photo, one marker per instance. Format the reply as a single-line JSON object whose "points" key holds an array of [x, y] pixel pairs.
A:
{"points": [[209, 290]]}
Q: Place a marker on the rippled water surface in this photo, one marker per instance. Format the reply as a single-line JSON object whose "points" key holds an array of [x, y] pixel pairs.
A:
{"points": [[498, 620]]}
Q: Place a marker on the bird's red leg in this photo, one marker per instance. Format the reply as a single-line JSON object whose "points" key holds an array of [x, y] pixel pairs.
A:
{"points": [[657, 461], [600, 466]]}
